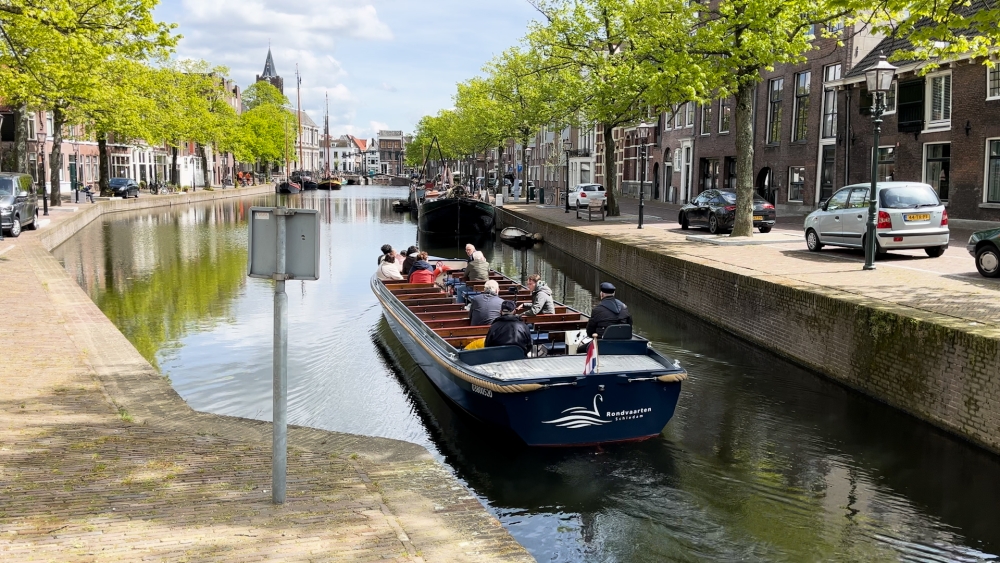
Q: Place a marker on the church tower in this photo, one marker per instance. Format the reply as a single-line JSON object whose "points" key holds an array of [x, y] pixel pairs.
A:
{"points": [[270, 74]]}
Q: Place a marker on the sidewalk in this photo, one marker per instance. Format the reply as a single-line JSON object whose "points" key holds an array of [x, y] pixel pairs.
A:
{"points": [[100, 460]]}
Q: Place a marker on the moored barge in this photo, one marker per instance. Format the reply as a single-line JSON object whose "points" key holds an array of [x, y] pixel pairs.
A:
{"points": [[545, 400]]}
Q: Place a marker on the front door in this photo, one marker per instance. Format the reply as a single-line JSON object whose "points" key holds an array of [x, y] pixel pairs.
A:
{"points": [[827, 163], [686, 171]]}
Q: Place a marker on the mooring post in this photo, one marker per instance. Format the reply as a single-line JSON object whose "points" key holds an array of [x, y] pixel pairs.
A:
{"points": [[279, 442]]}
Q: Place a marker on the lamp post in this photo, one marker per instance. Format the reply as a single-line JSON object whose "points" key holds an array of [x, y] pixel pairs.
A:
{"points": [[643, 129], [41, 158], [879, 79], [527, 157], [566, 148]]}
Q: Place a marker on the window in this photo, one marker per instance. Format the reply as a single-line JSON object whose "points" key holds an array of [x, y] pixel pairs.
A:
{"points": [[31, 127], [839, 200], [993, 82], [689, 112], [706, 118], [829, 128], [679, 117], [709, 173], [835, 26], [939, 96], [859, 198], [937, 167], [774, 110], [993, 171], [800, 119], [910, 106], [724, 115], [890, 99], [886, 164], [668, 121], [730, 182], [796, 182]]}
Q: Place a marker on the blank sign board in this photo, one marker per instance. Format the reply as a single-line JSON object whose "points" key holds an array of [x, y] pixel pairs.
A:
{"points": [[301, 243]]}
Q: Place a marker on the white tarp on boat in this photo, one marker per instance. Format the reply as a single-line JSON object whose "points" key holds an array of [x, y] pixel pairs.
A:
{"points": [[562, 366]]}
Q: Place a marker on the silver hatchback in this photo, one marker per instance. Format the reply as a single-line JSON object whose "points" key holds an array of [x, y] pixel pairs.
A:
{"points": [[910, 215]]}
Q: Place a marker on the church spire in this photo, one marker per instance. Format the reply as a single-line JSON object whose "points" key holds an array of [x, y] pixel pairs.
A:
{"points": [[269, 70]]}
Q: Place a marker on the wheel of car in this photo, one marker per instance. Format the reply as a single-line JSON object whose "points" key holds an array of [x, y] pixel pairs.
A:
{"points": [[812, 241], [765, 229], [683, 220], [988, 261], [713, 224], [15, 227], [935, 251]]}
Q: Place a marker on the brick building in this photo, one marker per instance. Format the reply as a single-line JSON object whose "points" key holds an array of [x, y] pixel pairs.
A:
{"points": [[392, 153]]}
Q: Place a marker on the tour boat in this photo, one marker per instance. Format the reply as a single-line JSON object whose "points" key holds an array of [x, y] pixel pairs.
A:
{"points": [[329, 184], [455, 216], [288, 188], [546, 400]]}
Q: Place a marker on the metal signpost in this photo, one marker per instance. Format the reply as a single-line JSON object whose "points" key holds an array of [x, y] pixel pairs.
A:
{"points": [[283, 245]]}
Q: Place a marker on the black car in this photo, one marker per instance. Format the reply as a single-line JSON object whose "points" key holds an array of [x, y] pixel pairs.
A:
{"points": [[18, 203], [985, 247], [716, 209], [124, 187]]}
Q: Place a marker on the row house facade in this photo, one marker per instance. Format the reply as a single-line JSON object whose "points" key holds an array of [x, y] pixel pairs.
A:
{"points": [[562, 157], [341, 152], [307, 144], [392, 152], [812, 133]]}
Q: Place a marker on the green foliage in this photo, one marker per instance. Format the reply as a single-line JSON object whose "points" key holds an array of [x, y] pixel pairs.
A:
{"points": [[261, 134], [263, 93]]}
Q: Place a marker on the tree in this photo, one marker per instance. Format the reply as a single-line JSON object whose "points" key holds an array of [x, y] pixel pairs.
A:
{"points": [[263, 93], [52, 58], [261, 134], [589, 46]]}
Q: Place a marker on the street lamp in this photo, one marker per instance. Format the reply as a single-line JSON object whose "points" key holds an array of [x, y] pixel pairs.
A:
{"points": [[41, 158], [643, 130], [879, 77], [566, 147], [527, 157]]}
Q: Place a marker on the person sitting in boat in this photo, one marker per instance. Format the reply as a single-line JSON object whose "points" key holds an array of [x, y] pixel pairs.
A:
{"points": [[469, 251], [485, 307], [387, 267], [411, 257], [541, 297], [509, 330], [423, 271], [478, 269], [609, 311]]}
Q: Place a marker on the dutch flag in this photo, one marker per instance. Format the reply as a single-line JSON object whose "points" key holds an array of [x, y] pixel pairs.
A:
{"points": [[592, 365]]}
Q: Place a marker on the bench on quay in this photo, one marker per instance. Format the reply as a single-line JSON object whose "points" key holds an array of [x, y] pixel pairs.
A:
{"points": [[593, 208]]}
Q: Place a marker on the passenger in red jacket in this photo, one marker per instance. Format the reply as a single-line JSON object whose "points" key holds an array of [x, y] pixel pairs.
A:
{"points": [[423, 272]]}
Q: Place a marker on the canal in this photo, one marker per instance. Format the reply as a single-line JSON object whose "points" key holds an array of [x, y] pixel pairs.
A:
{"points": [[763, 461]]}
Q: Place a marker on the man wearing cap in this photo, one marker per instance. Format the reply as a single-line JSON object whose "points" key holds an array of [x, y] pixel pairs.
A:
{"points": [[509, 330], [609, 311]]}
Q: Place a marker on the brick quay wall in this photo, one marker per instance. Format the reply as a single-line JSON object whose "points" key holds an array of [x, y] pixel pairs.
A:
{"points": [[943, 370]]}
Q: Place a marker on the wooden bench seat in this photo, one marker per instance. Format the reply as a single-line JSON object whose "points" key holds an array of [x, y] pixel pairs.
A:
{"points": [[436, 308], [394, 285], [416, 291], [549, 318], [443, 316], [450, 323], [418, 296], [477, 331], [460, 342], [560, 326], [430, 301]]}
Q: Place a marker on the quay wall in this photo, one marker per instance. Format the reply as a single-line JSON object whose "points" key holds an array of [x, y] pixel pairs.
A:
{"points": [[60, 232], [943, 370]]}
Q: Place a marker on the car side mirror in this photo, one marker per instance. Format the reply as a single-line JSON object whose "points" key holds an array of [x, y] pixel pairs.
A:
{"points": [[823, 204], [23, 193]]}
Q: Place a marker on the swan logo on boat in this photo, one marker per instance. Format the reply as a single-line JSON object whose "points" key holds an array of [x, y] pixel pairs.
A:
{"points": [[580, 417]]}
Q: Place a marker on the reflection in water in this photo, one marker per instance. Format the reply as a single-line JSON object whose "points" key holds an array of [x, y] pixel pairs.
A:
{"points": [[763, 460]]}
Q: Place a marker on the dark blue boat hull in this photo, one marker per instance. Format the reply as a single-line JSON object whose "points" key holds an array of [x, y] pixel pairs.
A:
{"points": [[597, 409]]}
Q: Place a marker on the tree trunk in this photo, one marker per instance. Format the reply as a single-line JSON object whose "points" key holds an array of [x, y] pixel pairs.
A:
{"points": [[174, 172], [55, 157], [613, 190], [102, 149], [21, 138], [204, 164], [743, 224]]}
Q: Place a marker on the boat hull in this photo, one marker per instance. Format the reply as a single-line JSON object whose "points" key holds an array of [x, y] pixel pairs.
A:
{"points": [[456, 216], [287, 188], [596, 409]]}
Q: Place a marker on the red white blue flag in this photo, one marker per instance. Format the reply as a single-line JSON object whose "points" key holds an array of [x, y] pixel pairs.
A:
{"points": [[592, 365]]}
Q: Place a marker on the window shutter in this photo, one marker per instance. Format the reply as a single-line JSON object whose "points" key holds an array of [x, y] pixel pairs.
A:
{"points": [[946, 97]]}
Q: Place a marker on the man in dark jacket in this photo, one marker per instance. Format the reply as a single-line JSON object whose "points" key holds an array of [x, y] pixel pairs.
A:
{"points": [[609, 311], [509, 330], [411, 258], [486, 306]]}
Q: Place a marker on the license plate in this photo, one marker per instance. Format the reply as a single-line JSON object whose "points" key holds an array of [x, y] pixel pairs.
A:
{"points": [[918, 217], [758, 217]]}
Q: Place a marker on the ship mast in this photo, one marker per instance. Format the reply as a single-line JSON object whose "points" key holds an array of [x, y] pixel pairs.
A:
{"points": [[298, 97], [326, 134]]}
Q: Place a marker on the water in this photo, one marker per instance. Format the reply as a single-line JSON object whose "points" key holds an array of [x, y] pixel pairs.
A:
{"points": [[763, 461]]}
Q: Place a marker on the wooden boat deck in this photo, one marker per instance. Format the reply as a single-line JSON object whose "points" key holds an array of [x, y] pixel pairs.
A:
{"points": [[449, 320]]}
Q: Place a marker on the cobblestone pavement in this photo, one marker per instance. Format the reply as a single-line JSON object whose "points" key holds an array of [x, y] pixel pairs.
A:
{"points": [[100, 460], [948, 287]]}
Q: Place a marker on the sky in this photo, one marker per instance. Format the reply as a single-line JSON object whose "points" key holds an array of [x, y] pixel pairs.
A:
{"points": [[383, 63]]}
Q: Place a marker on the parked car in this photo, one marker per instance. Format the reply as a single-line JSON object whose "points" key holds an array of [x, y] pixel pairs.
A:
{"points": [[583, 194], [124, 187], [985, 247], [910, 215], [18, 203], [716, 209]]}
